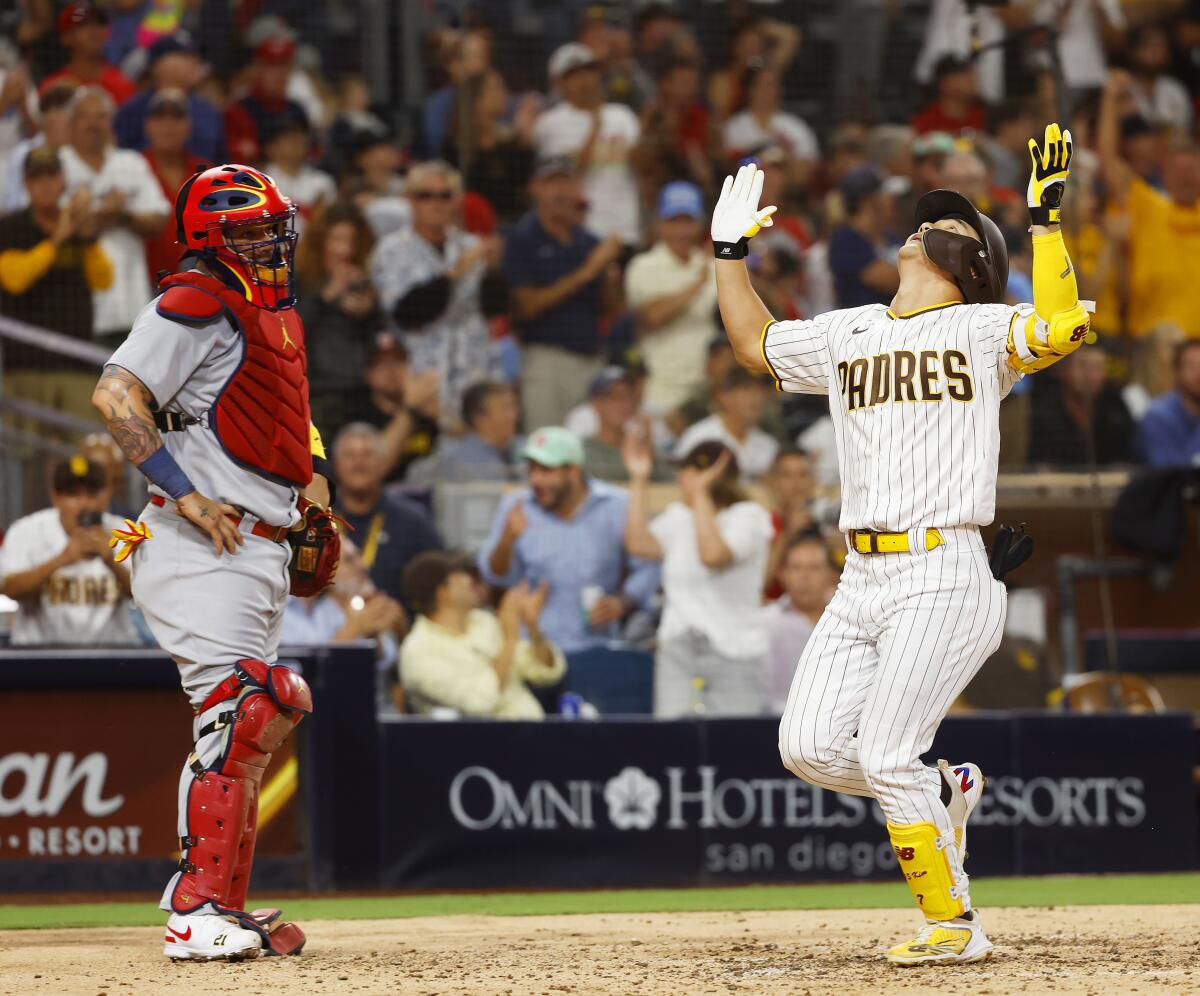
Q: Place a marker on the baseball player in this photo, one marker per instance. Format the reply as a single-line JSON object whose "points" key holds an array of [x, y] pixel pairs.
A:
{"points": [[914, 393], [208, 397]]}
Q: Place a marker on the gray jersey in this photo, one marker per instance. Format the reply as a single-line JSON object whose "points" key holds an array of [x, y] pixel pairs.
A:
{"points": [[185, 365]]}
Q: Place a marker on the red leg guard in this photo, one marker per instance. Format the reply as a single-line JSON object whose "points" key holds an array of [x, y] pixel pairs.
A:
{"points": [[222, 803]]}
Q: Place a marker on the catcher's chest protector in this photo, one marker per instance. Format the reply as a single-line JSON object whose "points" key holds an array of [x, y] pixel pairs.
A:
{"points": [[261, 416]]}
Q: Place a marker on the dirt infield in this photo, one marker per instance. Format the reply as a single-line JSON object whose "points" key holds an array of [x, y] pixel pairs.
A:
{"points": [[1096, 949]]}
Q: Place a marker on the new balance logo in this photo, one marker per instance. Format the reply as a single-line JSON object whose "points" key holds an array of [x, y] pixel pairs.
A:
{"points": [[965, 779]]}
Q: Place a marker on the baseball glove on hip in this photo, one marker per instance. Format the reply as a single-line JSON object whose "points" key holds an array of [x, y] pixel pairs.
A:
{"points": [[316, 549]]}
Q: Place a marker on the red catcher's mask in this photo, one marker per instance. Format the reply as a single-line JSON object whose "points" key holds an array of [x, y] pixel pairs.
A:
{"points": [[234, 219]]}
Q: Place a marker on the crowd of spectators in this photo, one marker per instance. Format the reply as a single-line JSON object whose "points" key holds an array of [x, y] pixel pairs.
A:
{"points": [[514, 285]]}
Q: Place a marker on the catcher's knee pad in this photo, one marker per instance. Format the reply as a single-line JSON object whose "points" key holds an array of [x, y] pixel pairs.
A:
{"points": [[222, 800], [275, 699], [932, 870]]}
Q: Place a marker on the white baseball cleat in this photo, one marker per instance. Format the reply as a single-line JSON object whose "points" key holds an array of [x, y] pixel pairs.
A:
{"points": [[966, 783], [959, 940], [208, 936]]}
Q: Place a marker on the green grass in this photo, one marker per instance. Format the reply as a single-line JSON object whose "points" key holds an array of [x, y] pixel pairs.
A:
{"points": [[1052, 891]]}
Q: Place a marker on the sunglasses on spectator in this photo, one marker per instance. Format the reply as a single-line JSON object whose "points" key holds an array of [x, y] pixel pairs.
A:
{"points": [[431, 195]]}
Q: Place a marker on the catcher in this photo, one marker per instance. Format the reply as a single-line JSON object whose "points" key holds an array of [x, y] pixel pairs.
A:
{"points": [[208, 396]]}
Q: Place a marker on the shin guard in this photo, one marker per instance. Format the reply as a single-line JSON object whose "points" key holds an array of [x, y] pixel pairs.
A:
{"points": [[222, 800], [932, 870]]}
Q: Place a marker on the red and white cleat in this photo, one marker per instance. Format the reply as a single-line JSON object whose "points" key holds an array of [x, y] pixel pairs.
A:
{"points": [[205, 936]]}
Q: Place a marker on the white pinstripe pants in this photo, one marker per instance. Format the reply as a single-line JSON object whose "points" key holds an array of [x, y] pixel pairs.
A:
{"points": [[901, 639]]}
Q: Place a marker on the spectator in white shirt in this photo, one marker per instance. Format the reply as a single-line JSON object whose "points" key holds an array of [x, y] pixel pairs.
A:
{"points": [[763, 122], [287, 151], [462, 657], [808, 575], [713, 547], [599, 136], [741, 400], [671, 289], [128, 201], [58, 566]]}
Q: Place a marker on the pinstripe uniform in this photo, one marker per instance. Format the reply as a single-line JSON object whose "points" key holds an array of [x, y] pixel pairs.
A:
{"points": [[915, 404]]}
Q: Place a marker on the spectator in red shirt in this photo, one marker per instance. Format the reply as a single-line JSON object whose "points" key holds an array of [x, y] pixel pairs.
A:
{"points": [[168, 128], [83, 29], [266, 108], [956, 105]]}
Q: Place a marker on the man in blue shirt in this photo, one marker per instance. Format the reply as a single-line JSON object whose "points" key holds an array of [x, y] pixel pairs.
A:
{"points": [[389, 531], [488, 452], [1169, 434], [558, 275], [174, 64], [568, 531], [861, 272]]}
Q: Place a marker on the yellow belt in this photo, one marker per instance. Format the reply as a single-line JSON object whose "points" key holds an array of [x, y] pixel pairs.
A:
{"points": [[865, 541]]}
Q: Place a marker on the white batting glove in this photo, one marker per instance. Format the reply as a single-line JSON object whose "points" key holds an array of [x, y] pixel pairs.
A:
{"points": [[736, 218]]}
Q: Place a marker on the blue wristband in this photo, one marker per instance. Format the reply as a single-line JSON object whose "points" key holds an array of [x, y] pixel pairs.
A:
{"points": [[161, 469]]}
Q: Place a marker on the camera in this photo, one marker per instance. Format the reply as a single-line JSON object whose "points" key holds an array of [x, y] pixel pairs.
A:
{"points": [[88, 518]]}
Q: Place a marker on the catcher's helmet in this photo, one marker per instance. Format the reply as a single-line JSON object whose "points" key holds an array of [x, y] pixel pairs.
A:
{"points": [[237, 222], [980, 268]]}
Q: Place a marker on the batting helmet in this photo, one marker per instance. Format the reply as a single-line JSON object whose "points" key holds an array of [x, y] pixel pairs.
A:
{"points": [[235, 220], [979, 266]]}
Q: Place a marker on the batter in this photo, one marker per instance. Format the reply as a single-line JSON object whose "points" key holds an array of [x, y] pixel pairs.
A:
{"points": [[208, 397], [914, 394]]}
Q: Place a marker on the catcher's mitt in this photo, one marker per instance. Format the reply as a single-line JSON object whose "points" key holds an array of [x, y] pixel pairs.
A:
{"points": [[316, 549]]}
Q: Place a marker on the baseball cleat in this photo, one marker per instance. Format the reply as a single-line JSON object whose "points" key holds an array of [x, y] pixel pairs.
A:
{"points": [[943, 941], [208, 936], [966, 783]]}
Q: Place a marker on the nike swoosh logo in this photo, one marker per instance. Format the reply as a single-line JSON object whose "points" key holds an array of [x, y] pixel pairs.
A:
{"points": [[185, 936], [1067, 272], [856, 331]]}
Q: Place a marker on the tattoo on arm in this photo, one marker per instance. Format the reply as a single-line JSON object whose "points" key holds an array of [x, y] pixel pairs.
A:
{"points": [[128, 408]]}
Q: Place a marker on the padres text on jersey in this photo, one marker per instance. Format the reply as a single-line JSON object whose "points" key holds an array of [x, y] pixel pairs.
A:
{"points": [[914, 401]]}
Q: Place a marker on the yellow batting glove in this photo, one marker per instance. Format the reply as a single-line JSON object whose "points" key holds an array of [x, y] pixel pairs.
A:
{"points": [[737, 218], [1048, 180]]}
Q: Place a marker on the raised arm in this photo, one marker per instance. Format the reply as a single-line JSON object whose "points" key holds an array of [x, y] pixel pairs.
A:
{"points": [[638, 458], [1117, 173], [1060, 323], [736, 220], [128, 409]]}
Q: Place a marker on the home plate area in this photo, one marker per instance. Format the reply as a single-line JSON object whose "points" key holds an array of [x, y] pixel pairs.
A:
{"points": [[1076, 949]]}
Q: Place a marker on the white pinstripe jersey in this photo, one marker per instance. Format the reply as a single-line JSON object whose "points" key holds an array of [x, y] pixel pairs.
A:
{"points": [[915, 403]]}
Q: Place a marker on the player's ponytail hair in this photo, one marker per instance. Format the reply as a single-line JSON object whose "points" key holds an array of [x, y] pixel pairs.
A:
{"points": [[727, 489]]}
